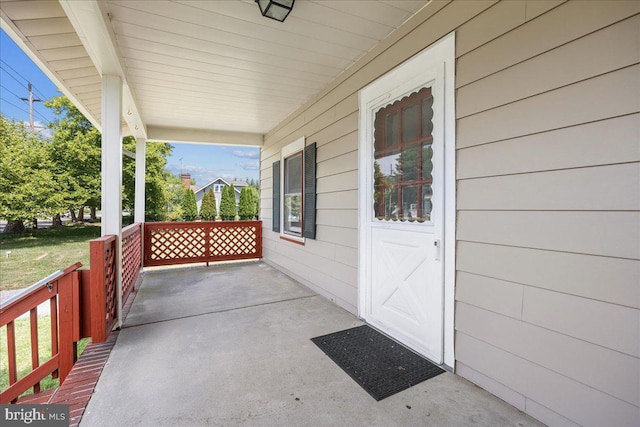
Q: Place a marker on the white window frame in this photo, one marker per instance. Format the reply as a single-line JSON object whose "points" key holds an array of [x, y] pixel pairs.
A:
{"points": [[286, 152]]}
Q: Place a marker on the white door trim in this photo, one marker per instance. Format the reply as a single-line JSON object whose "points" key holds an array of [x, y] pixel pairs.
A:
{"points": [[404, 78]]}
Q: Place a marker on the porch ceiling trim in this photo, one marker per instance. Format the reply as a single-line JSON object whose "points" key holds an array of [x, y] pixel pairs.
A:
{"points": [[89, 19], [35, 55], [205, 136]]}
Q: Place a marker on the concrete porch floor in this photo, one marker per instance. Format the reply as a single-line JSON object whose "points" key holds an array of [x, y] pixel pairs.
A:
{"points": [[230, 345]]}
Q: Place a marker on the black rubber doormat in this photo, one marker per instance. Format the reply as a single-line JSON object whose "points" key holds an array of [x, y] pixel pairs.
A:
{"points": [[379, 364]]}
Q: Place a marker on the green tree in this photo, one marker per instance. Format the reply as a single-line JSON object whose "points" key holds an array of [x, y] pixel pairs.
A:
{"points": [[27, 186], [75, 156], [255, 189], [208, 208], [247, 207], [189, 206], [75, 153], [158, 181], [176, 190], [228, 203]]}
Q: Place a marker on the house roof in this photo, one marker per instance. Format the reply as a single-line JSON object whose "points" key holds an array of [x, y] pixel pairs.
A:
{"points": [[196, 71], [237, 185]]}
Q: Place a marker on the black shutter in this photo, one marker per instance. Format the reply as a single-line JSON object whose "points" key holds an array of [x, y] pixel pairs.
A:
{"points": [[309, 229], [276, 197]]}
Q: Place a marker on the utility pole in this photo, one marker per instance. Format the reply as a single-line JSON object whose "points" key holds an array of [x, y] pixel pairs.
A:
{"points": [[31, 100]]}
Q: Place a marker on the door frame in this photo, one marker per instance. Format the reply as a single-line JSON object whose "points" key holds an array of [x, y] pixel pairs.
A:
{"points": [[440, 54]]}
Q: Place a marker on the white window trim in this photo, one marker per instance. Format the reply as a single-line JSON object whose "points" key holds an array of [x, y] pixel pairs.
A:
{"points": [[292, 148]]}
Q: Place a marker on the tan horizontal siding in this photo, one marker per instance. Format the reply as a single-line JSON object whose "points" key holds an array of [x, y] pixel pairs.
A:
{"points": [[601, 278], [603, 142], [556, 109], [612, 234], [609, 325], [338, 235], [307, 259], [571, 357], [570, 63], [345, 163], [345, 181], [499, 296], [567, 22], [548, 254], [338, 147], [614, 187], [341, 200], [338, 217], [583, 404], [333, 289]]}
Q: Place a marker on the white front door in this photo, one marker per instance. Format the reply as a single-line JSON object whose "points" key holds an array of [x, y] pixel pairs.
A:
{"points": [[403, 205]]}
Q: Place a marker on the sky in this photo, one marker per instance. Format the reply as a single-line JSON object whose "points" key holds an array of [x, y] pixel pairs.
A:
{"points": [[204, 162]]}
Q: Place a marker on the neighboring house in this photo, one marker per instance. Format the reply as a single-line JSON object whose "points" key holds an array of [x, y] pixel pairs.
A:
{"points": [[470, 184], [217, 185]]}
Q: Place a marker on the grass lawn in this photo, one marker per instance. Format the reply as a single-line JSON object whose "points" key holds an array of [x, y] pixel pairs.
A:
{"points": [[38, 253], [35, 255], [23, 351]]}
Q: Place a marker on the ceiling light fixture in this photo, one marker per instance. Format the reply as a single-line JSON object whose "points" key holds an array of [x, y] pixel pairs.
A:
{"points": [[275, 9]]}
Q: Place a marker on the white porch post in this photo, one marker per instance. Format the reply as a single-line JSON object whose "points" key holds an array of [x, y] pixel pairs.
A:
{"points": [[112, 171], [140, 180]]}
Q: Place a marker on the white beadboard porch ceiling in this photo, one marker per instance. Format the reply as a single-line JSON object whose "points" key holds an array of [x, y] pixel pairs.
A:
{"points": [[203, 66]]}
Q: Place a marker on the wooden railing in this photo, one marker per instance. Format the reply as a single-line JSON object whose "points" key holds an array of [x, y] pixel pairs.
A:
{"points": [[83, 304], [131, 259], [63, 292], [104, 302], [167, 243]]}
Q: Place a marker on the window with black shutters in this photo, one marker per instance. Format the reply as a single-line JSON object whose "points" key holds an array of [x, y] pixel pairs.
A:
{"points": [[294, 192]]}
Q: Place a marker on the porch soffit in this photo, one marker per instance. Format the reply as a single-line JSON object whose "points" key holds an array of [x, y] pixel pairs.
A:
{"points": [[203, 69]]}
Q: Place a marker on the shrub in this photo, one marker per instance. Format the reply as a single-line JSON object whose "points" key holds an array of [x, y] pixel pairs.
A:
{"points": [[208, 207], [247, 208], [189, 206], [228, 203]]}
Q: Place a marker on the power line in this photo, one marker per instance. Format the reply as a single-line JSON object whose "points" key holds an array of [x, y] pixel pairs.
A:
{"points": [[9, 90], [19, 75], [10, 75], [23, 99], [14, 70], [11, 103], [40, 94], [41, 116], [23, 110]]}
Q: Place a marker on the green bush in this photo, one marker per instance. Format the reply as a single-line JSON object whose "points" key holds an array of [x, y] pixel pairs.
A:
{"points": [[189, 206], [247, 208], [208, 207], [228, 203]]}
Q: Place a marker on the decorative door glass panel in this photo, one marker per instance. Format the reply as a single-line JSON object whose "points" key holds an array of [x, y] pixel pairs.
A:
{"points": [[403, 159]]}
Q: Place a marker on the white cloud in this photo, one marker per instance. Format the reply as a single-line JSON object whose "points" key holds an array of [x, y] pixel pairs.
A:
{"points": [[253, 154], [248, 166], [42, 129]]}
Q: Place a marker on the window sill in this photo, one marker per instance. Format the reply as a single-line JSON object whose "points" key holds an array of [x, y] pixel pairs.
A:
{"points": [[299, 241]]}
